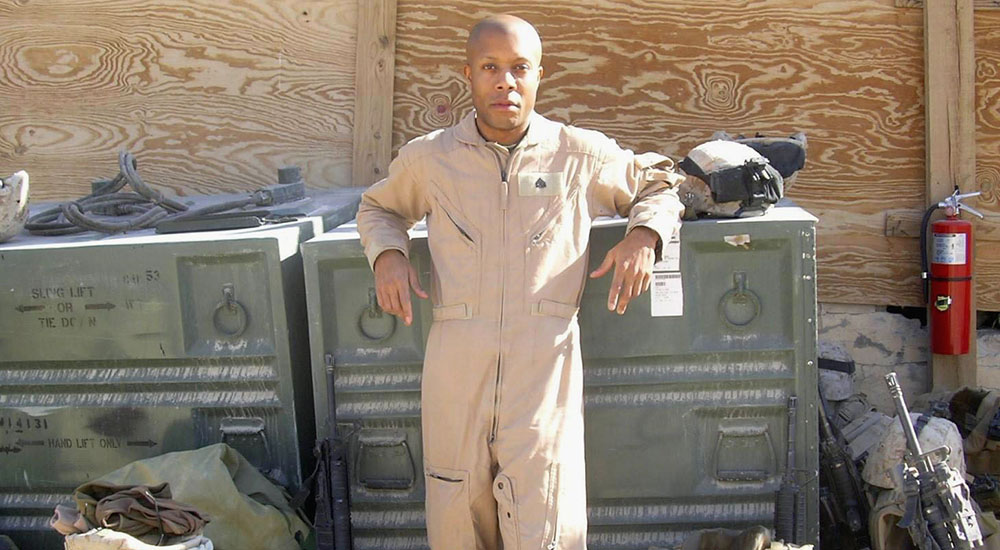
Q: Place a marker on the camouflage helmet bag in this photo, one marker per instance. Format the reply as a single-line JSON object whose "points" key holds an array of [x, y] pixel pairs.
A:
{"points": [[786, 155], [740, 181]]}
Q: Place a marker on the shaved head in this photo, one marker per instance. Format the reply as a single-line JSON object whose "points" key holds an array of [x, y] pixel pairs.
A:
{"points": [[503, 67], [506, 25]]}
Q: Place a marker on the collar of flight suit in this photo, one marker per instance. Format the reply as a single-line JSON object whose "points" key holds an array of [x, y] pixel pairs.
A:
{"points": [[540, 130]]}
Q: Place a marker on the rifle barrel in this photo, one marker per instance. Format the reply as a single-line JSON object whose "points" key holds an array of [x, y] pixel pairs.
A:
{"points": [[339, 485], [904, 414]]}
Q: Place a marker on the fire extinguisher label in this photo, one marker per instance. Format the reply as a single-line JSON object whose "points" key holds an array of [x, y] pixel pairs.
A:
{"points": [[949, 248]]}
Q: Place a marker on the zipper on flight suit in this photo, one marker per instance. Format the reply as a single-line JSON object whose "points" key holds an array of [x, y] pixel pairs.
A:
{"points": [[504, 190]]}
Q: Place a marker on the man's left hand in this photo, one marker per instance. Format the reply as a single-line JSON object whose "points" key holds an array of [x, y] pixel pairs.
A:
{"points": [[633, 260]]}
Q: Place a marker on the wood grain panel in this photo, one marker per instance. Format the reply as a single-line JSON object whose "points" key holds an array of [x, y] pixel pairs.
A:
{"points": [[213, 96], [979, 4], [664, 75], [210, 96], [987, 31], [864, 269]]}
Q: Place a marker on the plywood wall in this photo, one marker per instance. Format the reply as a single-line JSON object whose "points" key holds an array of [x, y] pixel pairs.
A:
{"points": [[665, 74], [987, 30], [214, 95], [211, 95]]}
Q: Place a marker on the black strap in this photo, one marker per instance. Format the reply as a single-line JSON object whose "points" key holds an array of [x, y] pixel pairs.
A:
{"points": [[951, 278], [299, 500], [839, 366], [755, 184], [921, 422]]}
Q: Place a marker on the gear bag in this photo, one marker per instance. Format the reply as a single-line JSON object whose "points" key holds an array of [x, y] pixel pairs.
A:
{"points": [[740, 180]]}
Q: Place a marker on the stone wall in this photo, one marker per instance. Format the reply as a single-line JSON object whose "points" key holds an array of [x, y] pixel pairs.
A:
{"points": [[881, 342]]}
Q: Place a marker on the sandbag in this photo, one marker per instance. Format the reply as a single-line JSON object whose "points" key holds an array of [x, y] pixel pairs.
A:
{"points": [[938, 432], [248, 512]]}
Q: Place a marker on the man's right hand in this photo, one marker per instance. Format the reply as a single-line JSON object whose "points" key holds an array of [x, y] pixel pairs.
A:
{"points": [[394, 276]]}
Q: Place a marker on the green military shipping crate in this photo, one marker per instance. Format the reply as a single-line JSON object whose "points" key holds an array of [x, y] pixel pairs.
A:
{"points": [[686, 395], [114, 349]]}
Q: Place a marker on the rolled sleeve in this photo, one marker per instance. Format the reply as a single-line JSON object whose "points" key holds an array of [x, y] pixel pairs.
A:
{"points": [[639, 187], [390, 208]]}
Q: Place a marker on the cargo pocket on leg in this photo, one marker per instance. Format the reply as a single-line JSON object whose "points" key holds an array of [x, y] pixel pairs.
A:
{"points": [[503, 492], [449, 515], [550, 539]]}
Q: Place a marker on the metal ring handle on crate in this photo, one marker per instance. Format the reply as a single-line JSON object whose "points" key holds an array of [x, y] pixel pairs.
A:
{"points": [[739, 306], [234, 309], [373, 311]]}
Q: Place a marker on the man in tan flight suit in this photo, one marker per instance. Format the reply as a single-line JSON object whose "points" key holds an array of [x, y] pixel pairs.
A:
{"points": [[509, 197]]}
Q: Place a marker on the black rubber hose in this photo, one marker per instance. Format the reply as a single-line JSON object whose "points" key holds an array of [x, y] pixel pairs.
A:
{"points": [[50, 223], [216, 208], [108, 209], [924, 274], [76, 214], [128, 164]]}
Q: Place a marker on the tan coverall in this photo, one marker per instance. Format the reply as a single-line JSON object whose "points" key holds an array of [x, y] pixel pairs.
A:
{"points": [[502, 390]]}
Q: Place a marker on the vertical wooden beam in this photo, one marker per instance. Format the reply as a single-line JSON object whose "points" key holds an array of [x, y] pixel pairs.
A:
{"points": [[373, 90], [949, 78]]}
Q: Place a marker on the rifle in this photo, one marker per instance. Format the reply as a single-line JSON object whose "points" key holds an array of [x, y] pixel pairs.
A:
{"points": [[333, 510], [844, 503], [789, 513], [938, 510]]}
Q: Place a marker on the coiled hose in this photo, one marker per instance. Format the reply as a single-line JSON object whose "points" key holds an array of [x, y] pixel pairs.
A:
{"points": [[924, 273], [108, 209]]}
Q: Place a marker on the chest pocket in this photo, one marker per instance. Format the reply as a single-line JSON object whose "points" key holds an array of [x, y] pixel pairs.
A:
{"points": [[555, 247], [456, 255]]}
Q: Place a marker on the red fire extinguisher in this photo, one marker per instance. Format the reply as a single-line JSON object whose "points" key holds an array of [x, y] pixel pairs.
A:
{"points": [[950, 275]]}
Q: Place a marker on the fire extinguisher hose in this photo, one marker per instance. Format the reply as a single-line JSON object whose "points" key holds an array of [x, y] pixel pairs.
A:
{"points": [[924, 273]]}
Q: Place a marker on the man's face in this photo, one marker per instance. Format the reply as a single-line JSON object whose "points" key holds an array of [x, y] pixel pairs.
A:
{"points": [[504, 69]]}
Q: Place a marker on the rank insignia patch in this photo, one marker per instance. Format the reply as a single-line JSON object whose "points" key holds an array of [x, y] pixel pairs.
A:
{"points": [[536, 184]]}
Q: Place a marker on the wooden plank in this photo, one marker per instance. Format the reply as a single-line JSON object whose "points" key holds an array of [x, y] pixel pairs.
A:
{"points": [[373, 90], [211, 96], [851, 76], [906, 223], [978, 4], [857, 268], [950, 137], [665, 74], [903, 223], [987, 31]]}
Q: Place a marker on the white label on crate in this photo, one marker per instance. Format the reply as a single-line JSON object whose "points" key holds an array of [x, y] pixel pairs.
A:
{"points": [[949, 248], [667, 294], [671, 257]]}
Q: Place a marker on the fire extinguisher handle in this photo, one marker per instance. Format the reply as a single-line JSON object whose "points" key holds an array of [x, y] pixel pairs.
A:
{"points": [[972, 211], [954, 205], [963, 196]]}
